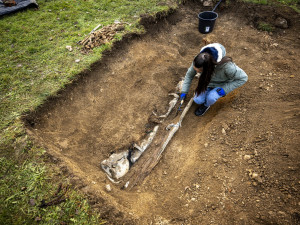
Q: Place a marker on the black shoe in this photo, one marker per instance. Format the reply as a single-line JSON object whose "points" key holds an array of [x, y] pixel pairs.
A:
{"points": [[201, 110]]}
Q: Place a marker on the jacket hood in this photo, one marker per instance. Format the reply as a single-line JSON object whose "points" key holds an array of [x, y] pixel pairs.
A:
{"points": [[215, 50]]}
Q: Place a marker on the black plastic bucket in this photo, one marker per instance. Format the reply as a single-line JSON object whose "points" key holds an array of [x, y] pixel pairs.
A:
{"points": [[207, 21]]}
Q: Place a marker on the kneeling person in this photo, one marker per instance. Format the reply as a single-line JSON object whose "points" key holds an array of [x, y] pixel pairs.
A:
{"points": [[219, 76]]}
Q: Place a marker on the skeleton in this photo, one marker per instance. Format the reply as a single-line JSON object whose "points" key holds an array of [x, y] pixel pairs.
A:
{"points": [[118, 164]]}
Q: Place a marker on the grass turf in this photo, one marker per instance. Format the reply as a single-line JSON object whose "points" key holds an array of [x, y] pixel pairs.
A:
{"points": [[34, 65]]}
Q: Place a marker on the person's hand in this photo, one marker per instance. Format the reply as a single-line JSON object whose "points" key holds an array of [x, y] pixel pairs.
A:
{"points": [[221, 92], [182, 96]]}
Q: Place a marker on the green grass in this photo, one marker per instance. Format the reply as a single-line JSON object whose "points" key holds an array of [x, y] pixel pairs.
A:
{"points": [[291, 3], [265, 27], [262, 2], [294, 4], [34, 61], [34, 65], [23, 186]]}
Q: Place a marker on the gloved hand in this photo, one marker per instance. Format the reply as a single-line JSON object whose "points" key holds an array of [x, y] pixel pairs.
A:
{"points": [[182, 96], [221, 92]]}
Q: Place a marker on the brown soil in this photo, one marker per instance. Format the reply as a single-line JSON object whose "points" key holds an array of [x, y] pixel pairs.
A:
{"points": [[238, 164]]}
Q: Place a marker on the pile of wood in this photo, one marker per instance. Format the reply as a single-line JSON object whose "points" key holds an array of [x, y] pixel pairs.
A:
{"points": [[102, 36]]}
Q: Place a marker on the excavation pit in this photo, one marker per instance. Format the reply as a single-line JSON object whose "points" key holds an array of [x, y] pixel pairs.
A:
{"points": [[111, 107]]}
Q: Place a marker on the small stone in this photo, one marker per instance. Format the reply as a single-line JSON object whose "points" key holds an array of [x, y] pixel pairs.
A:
{"points": [[126, 185], [206, 145], [32, 202], [281, 23], [281, 213], [223, 131], [165, 172], [247, 157], [23, 188], [208, 3], [69, 47], [271, 213], [225, 126], [292, 76], [51, 39], [108, 188]]}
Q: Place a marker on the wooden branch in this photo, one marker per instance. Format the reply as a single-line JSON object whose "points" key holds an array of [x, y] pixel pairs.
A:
{"points": [[147, 167]]}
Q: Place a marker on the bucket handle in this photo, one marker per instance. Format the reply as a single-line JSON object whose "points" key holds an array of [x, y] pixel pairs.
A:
{"points": [[216, 6]]}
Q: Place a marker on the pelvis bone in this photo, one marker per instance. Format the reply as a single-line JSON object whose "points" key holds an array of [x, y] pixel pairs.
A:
{"points": [[118, 164]]}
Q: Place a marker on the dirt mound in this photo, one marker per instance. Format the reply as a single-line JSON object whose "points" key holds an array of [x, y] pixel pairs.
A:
{"points": [[239, 164]]}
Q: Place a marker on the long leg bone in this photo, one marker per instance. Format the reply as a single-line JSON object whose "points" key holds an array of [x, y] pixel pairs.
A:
{"points": [[138, 150]]}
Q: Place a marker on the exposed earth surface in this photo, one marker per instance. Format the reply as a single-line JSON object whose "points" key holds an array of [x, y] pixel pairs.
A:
{"points": [[238, 164]]}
